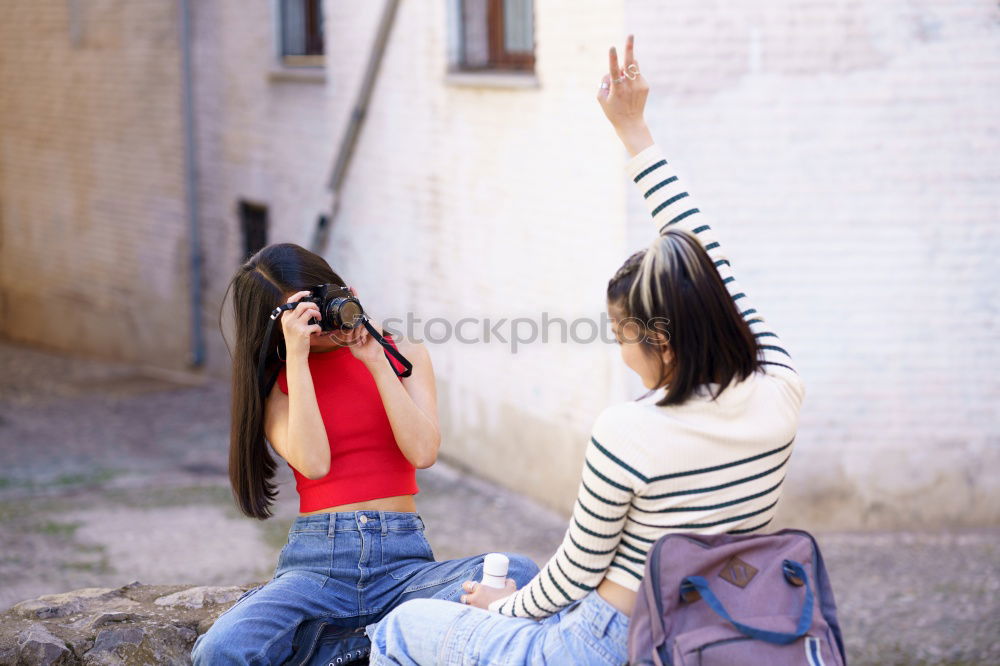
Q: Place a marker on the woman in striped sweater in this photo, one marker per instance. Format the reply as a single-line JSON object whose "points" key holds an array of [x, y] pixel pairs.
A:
{"points": [[706, 451]]}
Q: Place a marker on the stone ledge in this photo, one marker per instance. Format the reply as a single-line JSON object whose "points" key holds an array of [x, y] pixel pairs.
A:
{"points": [[133, 624]]}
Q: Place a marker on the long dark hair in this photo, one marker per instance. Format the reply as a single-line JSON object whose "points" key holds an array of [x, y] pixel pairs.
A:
{"points": [[260, 285], [673, 288]]}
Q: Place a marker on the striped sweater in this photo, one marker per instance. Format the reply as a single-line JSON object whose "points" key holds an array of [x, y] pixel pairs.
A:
{"points": [[702, 466]]}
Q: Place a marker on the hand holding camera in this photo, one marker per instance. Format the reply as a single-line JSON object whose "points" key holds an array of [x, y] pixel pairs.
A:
{"points": [[364, 346], [299, 326]]}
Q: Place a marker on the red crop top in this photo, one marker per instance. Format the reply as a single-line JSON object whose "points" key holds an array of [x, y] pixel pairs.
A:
{"points": [[365, 461]]}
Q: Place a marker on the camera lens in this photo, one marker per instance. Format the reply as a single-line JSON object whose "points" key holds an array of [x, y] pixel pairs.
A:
{"points": [[345, 313], [350, 314]]}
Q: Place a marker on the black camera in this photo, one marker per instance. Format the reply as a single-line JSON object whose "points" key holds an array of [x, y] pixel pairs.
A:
{"points": [[341, 310]]}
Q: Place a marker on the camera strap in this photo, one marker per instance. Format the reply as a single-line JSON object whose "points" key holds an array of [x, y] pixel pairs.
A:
{"points": [[391, 352], [266, 388]]}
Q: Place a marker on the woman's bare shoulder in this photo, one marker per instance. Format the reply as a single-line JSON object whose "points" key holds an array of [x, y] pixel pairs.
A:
{"points": [[411, 348]]}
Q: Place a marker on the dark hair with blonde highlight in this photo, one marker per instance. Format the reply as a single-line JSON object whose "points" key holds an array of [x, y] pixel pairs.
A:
{"points": [[673, 291], [259, 285]]}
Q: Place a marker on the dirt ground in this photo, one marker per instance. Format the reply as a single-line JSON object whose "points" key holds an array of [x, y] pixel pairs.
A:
{"points": [[109, 474]]}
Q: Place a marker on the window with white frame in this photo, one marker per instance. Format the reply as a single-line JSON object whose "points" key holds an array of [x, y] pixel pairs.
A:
{"points": [[494, 35], [300, 32]]}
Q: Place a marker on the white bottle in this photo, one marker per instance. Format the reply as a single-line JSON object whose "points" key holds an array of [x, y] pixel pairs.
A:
{"points": [[495, 570]]}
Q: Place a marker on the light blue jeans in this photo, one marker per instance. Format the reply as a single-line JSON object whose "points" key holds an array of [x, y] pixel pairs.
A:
{"points": [[351, 568], [437, 632]]}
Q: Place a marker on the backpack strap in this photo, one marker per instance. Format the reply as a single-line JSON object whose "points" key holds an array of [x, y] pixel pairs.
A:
{"points": [[653, 601], [793, 572], [827, 605]]}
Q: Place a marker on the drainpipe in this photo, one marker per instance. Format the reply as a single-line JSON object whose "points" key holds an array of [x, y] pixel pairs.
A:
{"points": [[197, 358], [350, 138]]}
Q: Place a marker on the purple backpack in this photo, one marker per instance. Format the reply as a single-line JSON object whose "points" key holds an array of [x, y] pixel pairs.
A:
{"points": [[718, 599]]}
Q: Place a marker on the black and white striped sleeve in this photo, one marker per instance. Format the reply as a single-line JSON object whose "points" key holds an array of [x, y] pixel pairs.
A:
{"points": [[673, 207], [590, 543]]}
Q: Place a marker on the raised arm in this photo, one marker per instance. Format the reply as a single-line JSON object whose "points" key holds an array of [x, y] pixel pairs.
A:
{"points": [[672, 205]]}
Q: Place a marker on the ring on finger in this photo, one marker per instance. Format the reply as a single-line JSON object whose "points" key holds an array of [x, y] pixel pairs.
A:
{"points": [[632, 71], [619, 79]]}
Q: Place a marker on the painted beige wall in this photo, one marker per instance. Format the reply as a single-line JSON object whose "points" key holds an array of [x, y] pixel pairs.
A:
{"points": [[92, 189], [93, 245]]}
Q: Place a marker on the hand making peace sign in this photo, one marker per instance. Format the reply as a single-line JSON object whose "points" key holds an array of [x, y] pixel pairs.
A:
{"points": [[622, 96]]}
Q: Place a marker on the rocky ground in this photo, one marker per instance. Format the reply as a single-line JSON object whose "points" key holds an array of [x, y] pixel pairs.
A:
{"points": [[111, 476]]}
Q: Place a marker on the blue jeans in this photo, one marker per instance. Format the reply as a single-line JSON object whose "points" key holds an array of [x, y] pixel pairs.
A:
{"points": [[350, 568], [433, 631]]}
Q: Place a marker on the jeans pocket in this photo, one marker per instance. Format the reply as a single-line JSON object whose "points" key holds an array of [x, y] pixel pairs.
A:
{"points": [[304, 550], [403, 551], [588, 649]]}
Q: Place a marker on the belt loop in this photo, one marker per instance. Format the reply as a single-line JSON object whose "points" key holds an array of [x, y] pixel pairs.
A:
{"points": [[381, 519], [331, 524], [602, 613]]}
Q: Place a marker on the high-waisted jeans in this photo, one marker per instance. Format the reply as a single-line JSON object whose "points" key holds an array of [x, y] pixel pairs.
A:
{"points": [[351, 568], [433, 632]]}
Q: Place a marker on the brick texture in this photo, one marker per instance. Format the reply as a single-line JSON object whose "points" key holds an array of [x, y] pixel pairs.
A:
{"points": [[93, 245], [848, 153]]}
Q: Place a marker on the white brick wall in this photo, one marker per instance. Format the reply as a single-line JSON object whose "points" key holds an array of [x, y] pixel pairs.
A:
{"points": [[261, 137], [488, 202], [835, 143], [849, 153]]}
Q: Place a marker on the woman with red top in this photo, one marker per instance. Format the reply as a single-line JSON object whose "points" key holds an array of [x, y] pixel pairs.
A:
{"points": [[353, 433]]}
